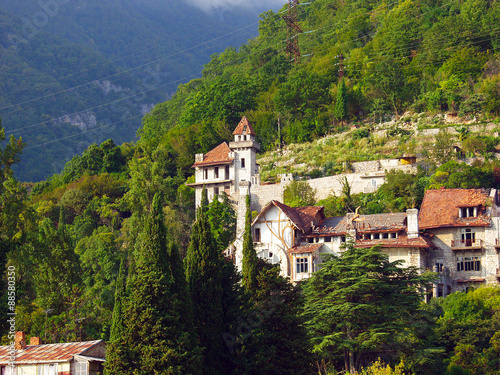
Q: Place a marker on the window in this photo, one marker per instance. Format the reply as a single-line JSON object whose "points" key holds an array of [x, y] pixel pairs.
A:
{"points": [[468, 212], [205, 172], [393, 235], [374, 183], [328, 239], [439, 264], [468, 236], [310, 240], [375, 236], [302, 265], [51, 370], [227, 172], [244, 129], [385, 235], [342, 239], [216, 191], [257, 235], [216, 171], [81, 368], [242, 162], [468, 264]]}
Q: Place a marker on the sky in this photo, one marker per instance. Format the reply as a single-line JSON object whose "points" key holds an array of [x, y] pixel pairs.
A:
{"points": [[217, 5]]}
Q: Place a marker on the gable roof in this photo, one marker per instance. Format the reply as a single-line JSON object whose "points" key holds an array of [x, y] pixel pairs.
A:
{"points": [[216, 156], [244, 127], [48, 353], [301, 217], [401, 241], [364, 224], [440, 208]]}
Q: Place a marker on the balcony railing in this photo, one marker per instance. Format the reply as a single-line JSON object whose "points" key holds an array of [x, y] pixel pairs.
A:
{"points": [[467, 244]]}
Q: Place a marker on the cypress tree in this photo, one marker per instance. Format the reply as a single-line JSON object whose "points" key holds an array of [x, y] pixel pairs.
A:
{"points": [[204, 278], [249, 263], [340, 111], [159, 336], [117, 354]]}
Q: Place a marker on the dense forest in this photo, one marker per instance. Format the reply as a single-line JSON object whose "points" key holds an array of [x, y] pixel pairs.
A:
{"points": [[87, 241], [80, 72]]}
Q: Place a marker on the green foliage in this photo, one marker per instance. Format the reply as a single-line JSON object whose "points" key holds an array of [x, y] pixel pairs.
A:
{"points": [[402, 190], [159, 331], [222, 219], [249, 262], [299, 194], [340, 111], [455, 175], [358, 303], [274, 339], [204, 266]]}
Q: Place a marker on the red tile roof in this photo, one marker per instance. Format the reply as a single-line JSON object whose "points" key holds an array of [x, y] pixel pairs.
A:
{"points": [[48, 353], [401, 241], [376, 223], [305, 249], [244, 127], [301, 216], [440, 208], [219, 155]]}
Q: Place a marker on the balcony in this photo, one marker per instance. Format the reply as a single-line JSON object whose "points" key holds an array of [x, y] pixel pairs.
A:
{"points": [[467, 244], [497, 244]]}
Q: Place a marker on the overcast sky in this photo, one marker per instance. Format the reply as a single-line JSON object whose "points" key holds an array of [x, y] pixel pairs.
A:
{"points": [[210, 5]]}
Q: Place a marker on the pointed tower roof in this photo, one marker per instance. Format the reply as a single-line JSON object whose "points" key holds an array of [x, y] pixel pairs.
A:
{"points": [[244, 127]]}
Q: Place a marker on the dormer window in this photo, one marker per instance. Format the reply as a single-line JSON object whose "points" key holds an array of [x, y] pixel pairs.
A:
{"points": [[244, 129], [467, 211]]}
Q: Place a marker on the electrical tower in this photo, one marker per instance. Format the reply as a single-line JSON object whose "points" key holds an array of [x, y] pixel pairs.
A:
{"points": [[294, 29]]}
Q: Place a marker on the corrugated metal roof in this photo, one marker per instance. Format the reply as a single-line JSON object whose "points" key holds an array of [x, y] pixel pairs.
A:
{"points": [[48, 353]]}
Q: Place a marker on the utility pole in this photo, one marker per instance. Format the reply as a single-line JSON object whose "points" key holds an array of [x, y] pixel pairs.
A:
{"points": [[341, 66], [293, 30]]}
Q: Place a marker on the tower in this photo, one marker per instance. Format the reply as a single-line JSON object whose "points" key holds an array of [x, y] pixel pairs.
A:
{"points": [[293, 29], [225, 167], [244, 148]]}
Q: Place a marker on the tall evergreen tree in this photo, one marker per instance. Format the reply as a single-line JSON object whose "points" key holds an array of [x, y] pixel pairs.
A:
{"points": [[204, 266], [358, 305], [118, 359], [249, 263], [159, 335]]}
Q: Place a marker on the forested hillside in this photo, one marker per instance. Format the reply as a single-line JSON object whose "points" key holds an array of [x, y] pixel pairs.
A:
{"points": [[87, 241], [398, 56], [80, 72]]}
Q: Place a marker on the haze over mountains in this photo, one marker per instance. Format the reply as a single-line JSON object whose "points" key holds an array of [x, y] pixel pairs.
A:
{"points": [[79, 72]]}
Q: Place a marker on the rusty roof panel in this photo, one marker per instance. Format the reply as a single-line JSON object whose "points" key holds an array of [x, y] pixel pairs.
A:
{"points": [[48, 353]]}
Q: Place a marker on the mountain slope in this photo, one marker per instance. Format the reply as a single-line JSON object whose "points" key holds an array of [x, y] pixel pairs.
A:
{"points": [[87, 71]]}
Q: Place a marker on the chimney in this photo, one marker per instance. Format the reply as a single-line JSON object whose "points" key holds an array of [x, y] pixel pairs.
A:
{"points": [[35, 341], [412, 223], [20, 340]]}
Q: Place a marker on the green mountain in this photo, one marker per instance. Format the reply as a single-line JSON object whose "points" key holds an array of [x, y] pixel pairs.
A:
{"points": [[421, 55], [74, 73]]}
